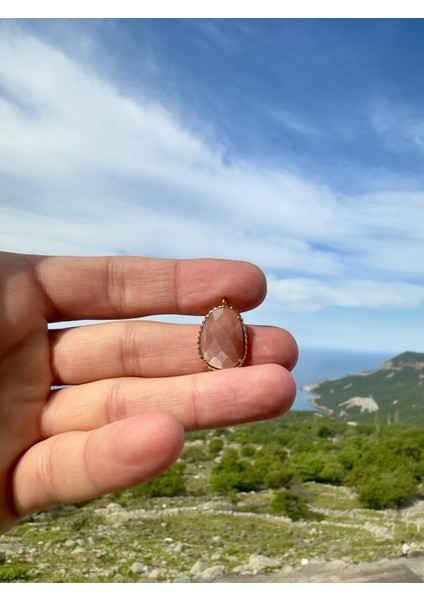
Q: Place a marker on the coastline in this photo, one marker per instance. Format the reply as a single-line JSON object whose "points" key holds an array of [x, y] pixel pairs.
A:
{"points": [[313, 401], [318, 366], [320, 407]]}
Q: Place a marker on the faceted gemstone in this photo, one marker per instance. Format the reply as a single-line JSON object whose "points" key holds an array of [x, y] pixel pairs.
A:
{"points": [[222, 338]]}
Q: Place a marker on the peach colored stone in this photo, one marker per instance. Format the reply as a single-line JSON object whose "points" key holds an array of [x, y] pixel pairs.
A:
{"points": [[222, 340]]}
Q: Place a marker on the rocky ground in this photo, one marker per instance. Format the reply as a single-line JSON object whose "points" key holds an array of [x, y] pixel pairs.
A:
{"points": [[214, 539], [401, 570]]}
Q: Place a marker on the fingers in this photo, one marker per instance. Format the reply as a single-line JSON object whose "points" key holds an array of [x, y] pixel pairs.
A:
{"points": [[78, 466], [122, 287], [150, 349], [198, 401]]}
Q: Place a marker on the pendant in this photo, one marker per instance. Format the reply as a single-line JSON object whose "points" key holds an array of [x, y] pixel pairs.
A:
{"points": [[222, 341]]}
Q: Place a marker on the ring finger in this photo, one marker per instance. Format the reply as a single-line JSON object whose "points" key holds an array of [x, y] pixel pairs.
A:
{"points": [[198, 401]]}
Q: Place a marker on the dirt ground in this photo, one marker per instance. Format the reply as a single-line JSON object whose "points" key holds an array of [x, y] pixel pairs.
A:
{"points": [[402, 570]]}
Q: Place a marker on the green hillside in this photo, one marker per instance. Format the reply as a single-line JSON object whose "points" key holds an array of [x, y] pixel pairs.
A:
{"points": [[392, 394]]}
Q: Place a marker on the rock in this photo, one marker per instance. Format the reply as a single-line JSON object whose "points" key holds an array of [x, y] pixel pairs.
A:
{"points": [[177, 547], [242, 570], [138, 568], [259, 562], [113, 507], [154, 574], [198, 568], [213, 572], [92, 540], [117, 518], [337, 563], [287, 569]]}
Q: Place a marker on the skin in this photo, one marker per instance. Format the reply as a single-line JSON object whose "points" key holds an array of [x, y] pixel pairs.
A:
{"points": [[132, 387]]}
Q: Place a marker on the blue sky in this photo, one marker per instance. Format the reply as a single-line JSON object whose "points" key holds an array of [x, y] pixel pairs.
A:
{"points": [[297, 144]]}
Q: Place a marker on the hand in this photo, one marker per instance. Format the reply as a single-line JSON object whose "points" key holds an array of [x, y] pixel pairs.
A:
{"points": [[132, 387]]}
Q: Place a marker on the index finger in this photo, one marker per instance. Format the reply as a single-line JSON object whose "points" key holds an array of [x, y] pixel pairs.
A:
{"points": [[130, 286]]}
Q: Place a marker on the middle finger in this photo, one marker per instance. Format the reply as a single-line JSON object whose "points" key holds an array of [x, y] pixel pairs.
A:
{"points": [[151, 349]]}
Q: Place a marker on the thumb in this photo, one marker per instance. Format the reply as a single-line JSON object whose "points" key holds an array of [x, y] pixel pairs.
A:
{"points": [[76, 466]]}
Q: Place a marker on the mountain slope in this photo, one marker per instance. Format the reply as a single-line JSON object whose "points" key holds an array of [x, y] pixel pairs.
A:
{"points": [[393, 393]]}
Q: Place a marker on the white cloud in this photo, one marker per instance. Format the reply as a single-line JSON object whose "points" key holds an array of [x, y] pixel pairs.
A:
{"points": [[87, 170], [399, 126], [301, 294], [293, 123]]}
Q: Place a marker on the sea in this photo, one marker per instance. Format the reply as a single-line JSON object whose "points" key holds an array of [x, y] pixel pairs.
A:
{"points": [[318, 364]]}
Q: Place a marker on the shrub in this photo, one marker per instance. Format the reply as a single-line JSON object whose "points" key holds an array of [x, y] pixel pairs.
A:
{"points": [[290, 505], [216, 445], [234, 474], [248, 450], [195, 454], [324, 432], [320, 466], [277, 476], [170, 483], [388, 490]]}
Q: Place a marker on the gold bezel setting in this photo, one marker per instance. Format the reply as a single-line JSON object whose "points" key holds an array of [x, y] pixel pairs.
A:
{"points": [[242, 359]]}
